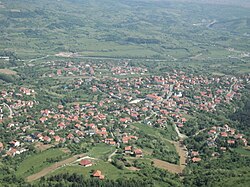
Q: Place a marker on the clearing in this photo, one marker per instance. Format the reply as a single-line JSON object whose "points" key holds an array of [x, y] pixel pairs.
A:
{"points": [[8, 72], [52, 168], [35, 163], [167, 166]]}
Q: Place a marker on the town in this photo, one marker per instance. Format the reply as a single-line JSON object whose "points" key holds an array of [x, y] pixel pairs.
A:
{"points": [[111, 103]]}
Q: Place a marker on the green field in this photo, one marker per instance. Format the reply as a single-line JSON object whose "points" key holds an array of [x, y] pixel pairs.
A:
{"points": [[110, 171], [35, 163], [101, 150], [156, 132], [242, 151]]}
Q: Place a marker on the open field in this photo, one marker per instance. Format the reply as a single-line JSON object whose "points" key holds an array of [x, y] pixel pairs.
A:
{"points": [[110, 171], [101, 151], [156, 132], [8, 72], [242, 151], [167, 166], [53, 167], [166, 33], [35, 163]]}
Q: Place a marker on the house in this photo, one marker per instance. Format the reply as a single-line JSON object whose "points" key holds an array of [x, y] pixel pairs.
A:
{"points": [[231, 141], [43, 119], [47, 139], [51, 132], [196, 159], [15, 143], [223, 134], [194, 153], [239, 136], [108, 140], [57, 138], [243, 140], [223, 149], [85, 163], [12, 152], [183, 120], [138, 153], [98, 174], [212, 131], [128, 150], [123, 120], [125, 139], [70, 136], [112, 143], [76, 140], [61, 125]]}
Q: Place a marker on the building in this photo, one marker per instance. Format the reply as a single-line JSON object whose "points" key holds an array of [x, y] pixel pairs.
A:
{"points": [[85, 163], [98, 174]]}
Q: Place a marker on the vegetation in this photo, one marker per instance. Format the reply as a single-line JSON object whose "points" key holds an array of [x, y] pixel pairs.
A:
{"points": [[34, 163], [70, 71], [228, 170]]}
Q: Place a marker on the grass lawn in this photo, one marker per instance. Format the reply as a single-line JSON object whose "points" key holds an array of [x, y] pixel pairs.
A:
{"points": [[101, 151], [242, 151], [35, 163], [147, 129], [110, 171]]}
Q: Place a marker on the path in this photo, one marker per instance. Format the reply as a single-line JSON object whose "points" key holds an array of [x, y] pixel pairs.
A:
{"points": [[11, 112], [112, 154], [181, 136], [199, 132], [53, 167]]}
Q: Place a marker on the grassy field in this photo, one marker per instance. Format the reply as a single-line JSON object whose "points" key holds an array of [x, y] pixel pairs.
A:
{"points": [[156, 132], [101, 151], [110, 171], [35, 163], [8, 71], [242, 151]]}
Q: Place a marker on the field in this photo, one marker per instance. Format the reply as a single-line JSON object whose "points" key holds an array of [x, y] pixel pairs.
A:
{"points": [[167, 166], [165, 33], [156, 132], [110, 171], [101, 151], [35, 163], [8, 72], [242, 151]]}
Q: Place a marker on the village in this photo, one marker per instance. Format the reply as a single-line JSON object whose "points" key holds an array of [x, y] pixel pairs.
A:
{"points": [[106, 100]]}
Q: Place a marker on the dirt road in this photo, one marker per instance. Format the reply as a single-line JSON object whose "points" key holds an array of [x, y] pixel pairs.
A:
{"points": [[52, 168]]}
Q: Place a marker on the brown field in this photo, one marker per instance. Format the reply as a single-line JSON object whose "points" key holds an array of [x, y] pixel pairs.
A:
{"points": [[133, 168], [65, 150], [167, 166], [8, 72], [42, 147]]}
